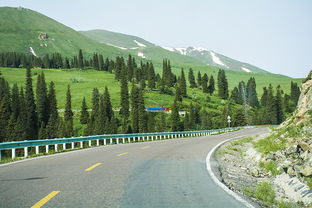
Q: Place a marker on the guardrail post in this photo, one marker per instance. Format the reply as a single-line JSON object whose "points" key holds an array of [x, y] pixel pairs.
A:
{"points": [[90, 143], [123, 140], [0, 155], [110, 141], [37, 150], [117, 140], [73, 145], [47, 148], [64, 146], [13, 153], [97, 142], [25, 151], [129, 139], [81, 144], [104, 140], [55, 147]]}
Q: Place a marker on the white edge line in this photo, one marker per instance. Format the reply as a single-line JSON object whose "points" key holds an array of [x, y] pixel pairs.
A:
{"points": [[216, 180]]}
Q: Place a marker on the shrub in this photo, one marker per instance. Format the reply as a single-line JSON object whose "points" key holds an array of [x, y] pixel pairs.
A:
{"points": [[265, 192], [270, 167]]}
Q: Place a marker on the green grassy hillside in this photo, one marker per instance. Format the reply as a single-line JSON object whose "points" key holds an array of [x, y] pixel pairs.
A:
{"points": [[20, 29], [83, 81]]}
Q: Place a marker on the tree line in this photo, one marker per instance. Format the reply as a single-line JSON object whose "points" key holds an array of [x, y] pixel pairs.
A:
{"points": [[29, 114]]}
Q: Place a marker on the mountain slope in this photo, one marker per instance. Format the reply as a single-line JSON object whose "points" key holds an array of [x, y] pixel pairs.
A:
{"points": [[139, 47], [151, 51], [26, 31]]}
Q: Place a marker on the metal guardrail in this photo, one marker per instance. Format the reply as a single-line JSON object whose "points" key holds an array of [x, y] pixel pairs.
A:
{"points": [[119, 138]]}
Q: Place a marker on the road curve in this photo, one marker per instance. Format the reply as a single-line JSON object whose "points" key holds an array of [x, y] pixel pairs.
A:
{"points": [[167, 173]]}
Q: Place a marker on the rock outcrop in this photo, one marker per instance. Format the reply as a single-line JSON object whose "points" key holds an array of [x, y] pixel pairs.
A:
{"points": [[288, 166], [43, 36]]}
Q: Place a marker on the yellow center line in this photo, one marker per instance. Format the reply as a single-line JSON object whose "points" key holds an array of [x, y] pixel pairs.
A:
{"points": [[93, 166], [145, 147], [121, 154], [45, 199]]}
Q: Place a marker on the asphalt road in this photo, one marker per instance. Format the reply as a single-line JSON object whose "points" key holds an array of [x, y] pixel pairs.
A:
{"points": [[166, 173]]}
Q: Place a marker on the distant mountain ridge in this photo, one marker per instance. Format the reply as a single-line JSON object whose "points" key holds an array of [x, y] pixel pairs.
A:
{"points": [[212, 58], [149, 50]]}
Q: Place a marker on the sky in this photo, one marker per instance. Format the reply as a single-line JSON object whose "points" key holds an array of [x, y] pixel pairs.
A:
{"points": [[275, 35]]}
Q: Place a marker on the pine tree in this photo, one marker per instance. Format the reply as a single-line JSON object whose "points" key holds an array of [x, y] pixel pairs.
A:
{"points": [[101, 62], [66, 64], [186, 122], [107, 104], [178, 93], [294, 93], [192, 117], [142, 114], [151, 78], [130, 68], [279, 106], [199, 79], [134, 109], [271, 110], [120, 68], [124, 98], [206, 122], [222, 85], [80, 60], [175, 118], [286, 104], [84, 114], [5, 115], [68, 115], [239, 118], [252, 97], [191, 78], [30, 108], [96, 64], [42, 101], [101, 121], [204, 83], [167, 75], [264, 97], [182, 84], [51, 130], [15, 103], [235, 96], [211, 87]]}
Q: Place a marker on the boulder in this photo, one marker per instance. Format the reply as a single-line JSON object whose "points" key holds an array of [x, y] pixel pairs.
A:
{"points": [[291, 171], [304, 147], [306, 170], [291, 150], [43, 36]]}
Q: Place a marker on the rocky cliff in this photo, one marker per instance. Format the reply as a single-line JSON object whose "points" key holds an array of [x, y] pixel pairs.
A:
{"points": [[281, 161]]}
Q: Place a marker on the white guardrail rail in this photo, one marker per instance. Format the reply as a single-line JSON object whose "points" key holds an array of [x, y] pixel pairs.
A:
{"points": [[107, 139]]}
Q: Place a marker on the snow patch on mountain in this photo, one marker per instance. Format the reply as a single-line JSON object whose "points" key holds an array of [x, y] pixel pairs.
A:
{"points": [[32, 51], [245, 69], [139, 44], [217, 60], [168, 48], [182, 51], [122, 48], [200, 49], [141, 55]]}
